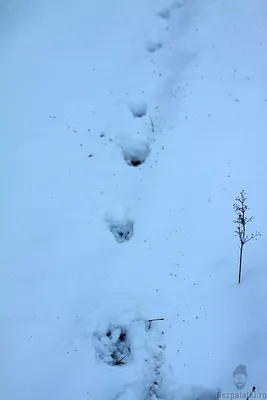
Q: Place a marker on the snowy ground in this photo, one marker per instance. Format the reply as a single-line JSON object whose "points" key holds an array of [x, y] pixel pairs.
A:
{"points": [[128, 129]]}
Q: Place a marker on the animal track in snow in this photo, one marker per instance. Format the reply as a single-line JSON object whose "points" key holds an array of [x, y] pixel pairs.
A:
{"points": [[122, 231], [165, 13], [138, 110], [153, 45], [150, 387], [135, 152], [120, 224], [113, 346]]}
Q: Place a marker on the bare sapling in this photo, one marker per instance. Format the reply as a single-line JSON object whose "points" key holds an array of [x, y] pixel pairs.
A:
{"points": [[241, 221]]}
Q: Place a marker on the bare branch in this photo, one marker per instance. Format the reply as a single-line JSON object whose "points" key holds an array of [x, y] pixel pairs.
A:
{"points": [[253, 236]]}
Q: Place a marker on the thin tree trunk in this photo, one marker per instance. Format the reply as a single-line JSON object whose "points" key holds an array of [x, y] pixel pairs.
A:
{"points": [[240, 262]]}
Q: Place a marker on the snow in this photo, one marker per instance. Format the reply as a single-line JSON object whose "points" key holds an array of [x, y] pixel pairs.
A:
{"points": [[88, 88]]}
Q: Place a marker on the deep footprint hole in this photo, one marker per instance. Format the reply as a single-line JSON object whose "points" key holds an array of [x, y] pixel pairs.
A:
{"points": [[135, 153], [122, 230], [114, 347], [138, 110]]}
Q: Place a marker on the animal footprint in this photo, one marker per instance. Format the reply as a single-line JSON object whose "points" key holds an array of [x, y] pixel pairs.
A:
{"points": [[135, 152], [153, 45], [165, 13], [138, 109]]}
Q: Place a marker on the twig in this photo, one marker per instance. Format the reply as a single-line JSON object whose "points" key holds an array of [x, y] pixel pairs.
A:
{"points": [[152, 125], [156, 319], [119, 362], [152, 320]]}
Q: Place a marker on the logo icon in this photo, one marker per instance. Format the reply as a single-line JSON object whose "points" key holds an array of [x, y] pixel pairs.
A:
{"points": [[240, 376]]}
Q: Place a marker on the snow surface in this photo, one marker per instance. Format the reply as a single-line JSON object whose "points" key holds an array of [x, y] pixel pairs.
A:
{"points": [[76, 77]]}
